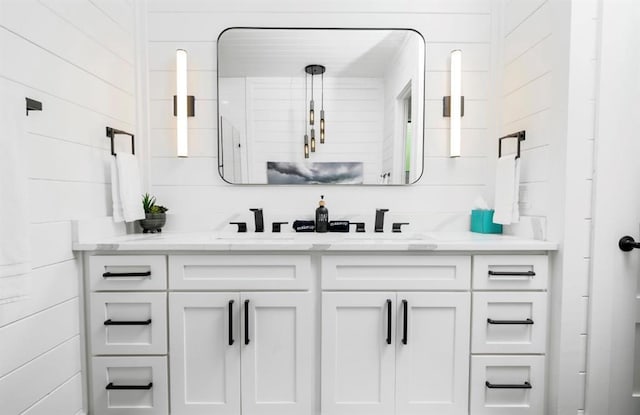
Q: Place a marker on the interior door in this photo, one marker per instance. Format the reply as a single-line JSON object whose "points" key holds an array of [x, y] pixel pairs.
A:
{"points": [[613, 369], [432, 359]]}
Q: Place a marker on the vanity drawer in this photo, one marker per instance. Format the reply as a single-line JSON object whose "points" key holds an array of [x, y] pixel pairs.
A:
{"points": [[130, 386], [510, 272], [240, 272], [127, 272], [507, 385], [128, 323], [513, 322], [396, 272]]}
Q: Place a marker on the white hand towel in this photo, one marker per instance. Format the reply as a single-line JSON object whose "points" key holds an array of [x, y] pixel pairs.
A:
{"points": [[507, 190], [115, 192], [126, 189], [14, 209]]}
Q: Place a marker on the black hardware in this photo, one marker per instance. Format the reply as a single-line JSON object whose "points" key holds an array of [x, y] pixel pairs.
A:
{"points": [[627, 243], [275, 226], [492, 321], [525, 385], [33, 105], [191, 105], [111, 132], [520, 135], [246, 322], [111, 387], [379, 226], [257, 214], [405, 323], [359, 226], [127, 323], [397, 227], [231, 340], [513, 273], [388, 321], [126, 274], [242, 226], [446, 106]]}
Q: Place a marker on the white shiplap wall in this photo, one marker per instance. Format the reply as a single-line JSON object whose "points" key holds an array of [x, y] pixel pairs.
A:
{"points": [[198, 198], [77, 58]]}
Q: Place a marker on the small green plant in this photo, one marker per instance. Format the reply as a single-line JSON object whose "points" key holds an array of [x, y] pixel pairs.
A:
{"points": [[149, 204]]}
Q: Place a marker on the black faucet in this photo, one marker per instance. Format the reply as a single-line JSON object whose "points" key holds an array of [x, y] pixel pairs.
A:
{"points": [[257, 213], [379, 226]]}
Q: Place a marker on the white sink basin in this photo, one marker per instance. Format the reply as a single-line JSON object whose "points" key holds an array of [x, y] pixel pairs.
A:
{"points": [[381, 236], [254, 236]]}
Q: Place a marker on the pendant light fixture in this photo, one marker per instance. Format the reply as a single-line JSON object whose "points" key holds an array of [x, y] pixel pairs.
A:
{"points": [[322, 110], [313, 70]]}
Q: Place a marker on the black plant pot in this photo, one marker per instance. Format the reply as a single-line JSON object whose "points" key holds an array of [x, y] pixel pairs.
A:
{"points": [[153, 222]]}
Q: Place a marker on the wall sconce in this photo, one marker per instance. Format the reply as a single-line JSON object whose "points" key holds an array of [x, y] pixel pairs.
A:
{"points": [[453, 105], [183, 104]]}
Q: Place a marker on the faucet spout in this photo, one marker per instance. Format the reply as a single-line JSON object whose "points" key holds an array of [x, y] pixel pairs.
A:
{"points": [[257, 214], [379, 225]]}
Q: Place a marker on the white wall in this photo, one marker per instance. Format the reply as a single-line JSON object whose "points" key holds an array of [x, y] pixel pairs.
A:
{"points": [[77, 58], [195, 194]]}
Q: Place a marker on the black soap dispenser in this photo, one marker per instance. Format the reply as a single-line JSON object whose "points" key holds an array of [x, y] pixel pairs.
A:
{"points": [[322, 217]]}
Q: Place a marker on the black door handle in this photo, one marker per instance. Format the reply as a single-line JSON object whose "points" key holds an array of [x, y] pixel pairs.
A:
{"points": [[527, 321], [231, 340], [525, 385], [405, 309], [111, 387], [246, 322], [513, 273], [627, 243], [126, 274], [388, 321], [127, 323]]}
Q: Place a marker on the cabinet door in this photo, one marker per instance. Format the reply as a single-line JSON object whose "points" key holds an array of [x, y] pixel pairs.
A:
{"points": [[205, 367], [276, 353], [358, 354], [432, 360]]}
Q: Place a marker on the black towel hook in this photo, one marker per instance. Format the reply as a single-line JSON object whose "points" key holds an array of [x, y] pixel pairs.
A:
{"points": [[520, 135], [111, 132]]}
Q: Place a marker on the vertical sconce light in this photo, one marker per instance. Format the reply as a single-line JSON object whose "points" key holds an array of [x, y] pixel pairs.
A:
{"points": [[453, 105], [313, 70], [183, 104]]}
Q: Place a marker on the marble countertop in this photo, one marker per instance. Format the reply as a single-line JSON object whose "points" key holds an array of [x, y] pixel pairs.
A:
{"points": [[212, 241]]}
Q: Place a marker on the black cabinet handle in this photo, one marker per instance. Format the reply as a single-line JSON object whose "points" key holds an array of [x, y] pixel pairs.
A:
{"points": [[492, 321], [405, 309], [111, 386], [246, 322], [126, 274], [388, 321], [127, 323], [525, 385], [513, 273], [231, 340]]}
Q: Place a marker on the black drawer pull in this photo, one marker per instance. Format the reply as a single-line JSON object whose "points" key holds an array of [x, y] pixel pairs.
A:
{"points": [[112, 387], [126, 274], [231, 340], [246, 322], [492, 321], [513, 273], [405, 309], [525, 385], [127, 323], [388, 321]]}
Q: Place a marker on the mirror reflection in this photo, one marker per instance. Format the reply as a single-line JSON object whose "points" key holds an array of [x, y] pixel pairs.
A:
{"points": [[320, 106]]}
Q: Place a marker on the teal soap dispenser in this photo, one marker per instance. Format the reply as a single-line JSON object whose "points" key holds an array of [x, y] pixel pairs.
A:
{"points": [[322, 217]]}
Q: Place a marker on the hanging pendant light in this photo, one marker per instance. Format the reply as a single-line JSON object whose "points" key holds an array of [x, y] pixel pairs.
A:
{"points": [[322, 111], [313, 70]]}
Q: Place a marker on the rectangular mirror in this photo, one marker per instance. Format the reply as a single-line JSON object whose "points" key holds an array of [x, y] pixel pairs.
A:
{"points": [[320, 106]]}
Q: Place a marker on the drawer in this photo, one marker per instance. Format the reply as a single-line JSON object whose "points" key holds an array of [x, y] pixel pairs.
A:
{"points": [[239, 272], [128, 323], [129, 386], [127, 272], [513, 322], [510, 272], [396, 272], [507, 385]]}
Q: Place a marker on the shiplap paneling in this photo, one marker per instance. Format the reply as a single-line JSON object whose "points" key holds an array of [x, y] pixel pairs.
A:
{"points": [[63, 400], [50, 243]]}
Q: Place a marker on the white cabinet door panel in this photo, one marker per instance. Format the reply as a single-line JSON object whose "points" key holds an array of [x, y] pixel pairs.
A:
{"points": [[358, 363], [432, 361]]}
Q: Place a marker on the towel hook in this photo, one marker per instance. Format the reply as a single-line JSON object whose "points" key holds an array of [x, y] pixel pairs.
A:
{"points": [[520, 135], [111, 132]]}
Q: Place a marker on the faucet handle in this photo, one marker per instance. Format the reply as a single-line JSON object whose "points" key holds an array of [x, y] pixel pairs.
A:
{"points": [[275, 226], [359, 226], [397, 226], [242, 226], [257, 213], [382, 210]]}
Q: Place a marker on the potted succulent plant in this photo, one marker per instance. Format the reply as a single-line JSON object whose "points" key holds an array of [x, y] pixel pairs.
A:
{"points": [[155, 215]]}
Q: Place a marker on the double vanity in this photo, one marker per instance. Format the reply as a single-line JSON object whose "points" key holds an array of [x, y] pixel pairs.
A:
{"points": [[434, 323]]}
